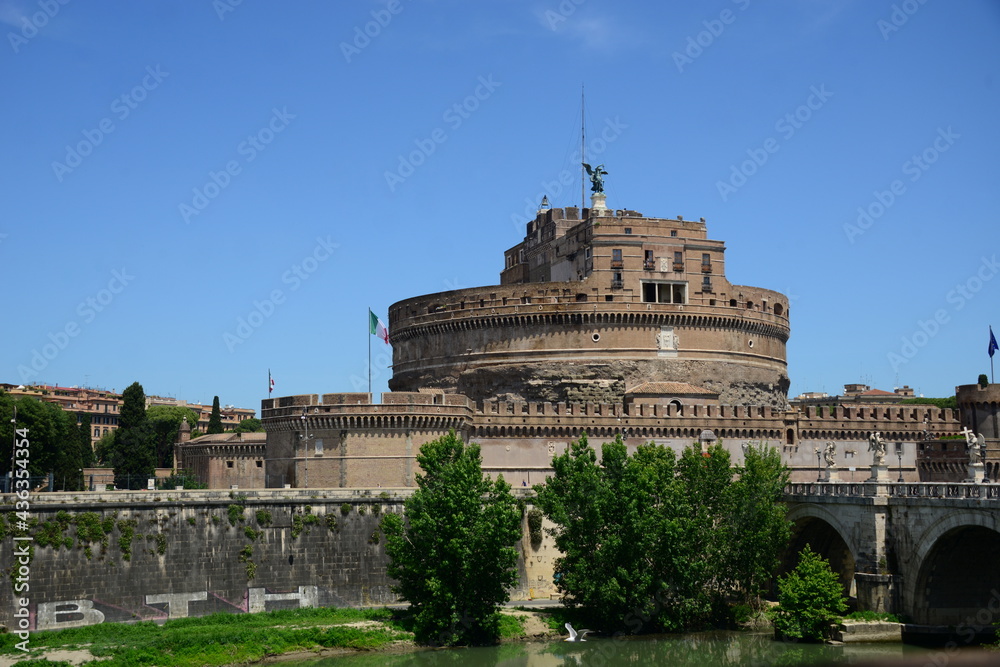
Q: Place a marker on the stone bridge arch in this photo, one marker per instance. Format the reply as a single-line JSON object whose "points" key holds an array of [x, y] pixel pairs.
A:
{"points": [[953, 577], [825, 533]]}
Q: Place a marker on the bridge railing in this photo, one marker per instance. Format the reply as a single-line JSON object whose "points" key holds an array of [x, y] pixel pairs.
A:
{"points": [[949, 490]]}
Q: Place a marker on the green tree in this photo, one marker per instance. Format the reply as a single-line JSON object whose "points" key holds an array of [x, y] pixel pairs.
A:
{"points": [[757, 530], [983, 380], [166, 422], [133, 454], [810, 597], [215, 419], [52, 434], [104, 448], [84, 440], [184, 478], [249, 425], [651, 541], [454, 557], [133, 411]]}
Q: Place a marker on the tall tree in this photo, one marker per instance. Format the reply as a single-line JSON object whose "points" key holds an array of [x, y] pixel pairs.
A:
{"points": [[166, 422], [649, 541], [757, 530], [133, 455], [53, 436], [454, 557], [84, 440], [215, 420]]}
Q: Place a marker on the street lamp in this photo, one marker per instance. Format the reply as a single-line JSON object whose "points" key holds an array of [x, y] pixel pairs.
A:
{"points": [[982, 457], [899, 457], [305, 445], [819, 468]]}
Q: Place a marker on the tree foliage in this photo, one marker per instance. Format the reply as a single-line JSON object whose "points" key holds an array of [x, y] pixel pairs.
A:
{"points": [[454, 555], [215, 419], [249, 425], [943, 403], [810, 597], [654, 541], [166, 422], [53, 436], [133, 454]]}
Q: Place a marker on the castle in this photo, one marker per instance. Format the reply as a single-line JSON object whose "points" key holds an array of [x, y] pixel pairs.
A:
{"points": [[605, 322]]}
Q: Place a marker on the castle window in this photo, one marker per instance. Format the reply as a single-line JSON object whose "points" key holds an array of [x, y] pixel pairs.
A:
{"points": [[778, 309], [673, 232], [657, 292], [628, 230], [586, 252], [616, 280], [706, 259], [616, 258], [229, 464], [706, 284], [648, 263], [260, 464], [732, 303]]}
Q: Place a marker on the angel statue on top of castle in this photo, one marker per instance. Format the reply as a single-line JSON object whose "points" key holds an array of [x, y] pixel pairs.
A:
{"points": [[596, 177]]}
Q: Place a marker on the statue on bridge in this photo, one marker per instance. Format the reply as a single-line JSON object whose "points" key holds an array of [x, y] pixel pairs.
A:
{"points": [[976, 445], [830, 455], [876, 445]]}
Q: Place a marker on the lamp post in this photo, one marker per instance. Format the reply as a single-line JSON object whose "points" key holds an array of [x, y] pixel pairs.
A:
{"points": [[899, 458], [982, 457], [13, 451], [305, 445], [819, 468]]}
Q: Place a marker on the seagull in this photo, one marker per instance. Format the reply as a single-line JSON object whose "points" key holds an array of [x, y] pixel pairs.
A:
{"points": [[575, 636]]}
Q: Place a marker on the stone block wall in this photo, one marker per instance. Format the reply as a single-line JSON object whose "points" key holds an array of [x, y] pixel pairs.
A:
{"points": [[176, 554]]}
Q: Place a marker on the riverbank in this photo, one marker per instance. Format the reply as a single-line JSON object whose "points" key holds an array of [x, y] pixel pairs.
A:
{"points": [[228, 639]]}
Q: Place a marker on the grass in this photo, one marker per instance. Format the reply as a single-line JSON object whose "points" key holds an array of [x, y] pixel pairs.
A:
{"points": [[872, 616], [512, 626], [219, 639]]}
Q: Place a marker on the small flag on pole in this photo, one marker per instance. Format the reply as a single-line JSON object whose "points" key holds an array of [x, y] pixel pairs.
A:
{"points": [[993, 344], [376, 327], [270, 382]]}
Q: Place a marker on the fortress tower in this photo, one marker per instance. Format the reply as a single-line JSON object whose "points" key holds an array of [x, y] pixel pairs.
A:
{"points": [[593, 305]]}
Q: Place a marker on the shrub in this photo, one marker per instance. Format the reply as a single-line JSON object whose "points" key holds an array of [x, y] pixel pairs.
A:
{"points": [[535, 526], [810, 597]]}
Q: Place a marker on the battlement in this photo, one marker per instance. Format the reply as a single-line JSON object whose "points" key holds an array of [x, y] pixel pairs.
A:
{"points": [[631, 410], [913, 413], [358, 403]]}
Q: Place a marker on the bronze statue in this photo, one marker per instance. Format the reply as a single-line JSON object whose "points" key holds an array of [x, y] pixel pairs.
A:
{"points": [[596, 177]]}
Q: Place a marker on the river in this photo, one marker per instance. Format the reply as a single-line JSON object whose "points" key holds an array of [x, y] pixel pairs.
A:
{"points": [[713, 648]]}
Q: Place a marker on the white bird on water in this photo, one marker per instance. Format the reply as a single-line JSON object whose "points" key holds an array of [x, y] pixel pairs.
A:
{"points": [[575, 636]]}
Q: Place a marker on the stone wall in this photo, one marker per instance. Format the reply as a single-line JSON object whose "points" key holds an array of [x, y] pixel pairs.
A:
{"points": [[190, 553]]}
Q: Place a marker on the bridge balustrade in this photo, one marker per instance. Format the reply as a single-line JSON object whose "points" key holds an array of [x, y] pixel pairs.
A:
{"points": [[945, 490]]}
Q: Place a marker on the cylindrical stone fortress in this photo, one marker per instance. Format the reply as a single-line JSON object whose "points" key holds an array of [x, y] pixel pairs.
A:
{"points": [[589, 309]]}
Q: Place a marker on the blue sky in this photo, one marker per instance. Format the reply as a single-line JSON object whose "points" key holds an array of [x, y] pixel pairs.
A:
{"points": [[172, 169]]}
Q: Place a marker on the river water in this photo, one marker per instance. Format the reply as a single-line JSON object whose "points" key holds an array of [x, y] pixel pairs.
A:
{"points": [[715, 648]]}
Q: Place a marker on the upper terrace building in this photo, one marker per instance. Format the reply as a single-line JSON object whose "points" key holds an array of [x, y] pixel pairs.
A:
{"points": [[592, 304], [605, 322]]}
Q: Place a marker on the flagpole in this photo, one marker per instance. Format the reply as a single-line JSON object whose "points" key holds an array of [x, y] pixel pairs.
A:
{"points": [[369, 350]]}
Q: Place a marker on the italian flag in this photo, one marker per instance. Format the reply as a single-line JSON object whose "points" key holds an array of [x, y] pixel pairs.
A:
{"points": [[376, 328]]}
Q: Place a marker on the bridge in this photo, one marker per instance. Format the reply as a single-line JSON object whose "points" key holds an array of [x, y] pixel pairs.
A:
{"points": [[930, 551]]}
